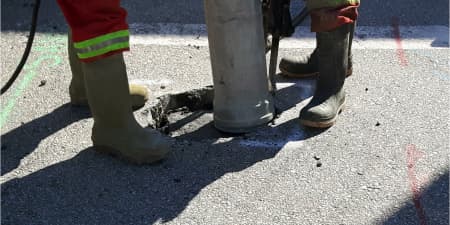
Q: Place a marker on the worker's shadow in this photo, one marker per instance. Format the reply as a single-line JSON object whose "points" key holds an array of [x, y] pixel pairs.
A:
{"points": [[23, 140], [96, 189]]}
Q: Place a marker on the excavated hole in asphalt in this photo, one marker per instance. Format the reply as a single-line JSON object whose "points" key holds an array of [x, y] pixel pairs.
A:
{"points": [[187, 115]]}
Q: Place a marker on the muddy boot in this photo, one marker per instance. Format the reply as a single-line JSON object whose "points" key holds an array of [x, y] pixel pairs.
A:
{"points": [[329, 96], [115, 129], [308, 66], [77, 91]]}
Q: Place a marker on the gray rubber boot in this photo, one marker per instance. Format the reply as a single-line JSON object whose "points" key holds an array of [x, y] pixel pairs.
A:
{"points": [[138, 93], [329, 97], [115, 130], [308, 66], [300, 67]]}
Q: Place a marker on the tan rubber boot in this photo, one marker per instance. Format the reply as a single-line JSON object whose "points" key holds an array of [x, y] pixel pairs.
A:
{"points": [[139, 94], [115, 129]]}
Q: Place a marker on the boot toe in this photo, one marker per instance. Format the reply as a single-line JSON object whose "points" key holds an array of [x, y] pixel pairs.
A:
{"points": [[318, 113], [320, 116], [153, 148], [289, 64], [143, 147]]}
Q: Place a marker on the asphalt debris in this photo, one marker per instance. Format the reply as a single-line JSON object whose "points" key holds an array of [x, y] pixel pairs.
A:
{"points": [[194, 46], [42, 83]]}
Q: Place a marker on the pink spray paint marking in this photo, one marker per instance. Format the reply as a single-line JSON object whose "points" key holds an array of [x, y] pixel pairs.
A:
{"points": [[413, 156], [398, 39]]}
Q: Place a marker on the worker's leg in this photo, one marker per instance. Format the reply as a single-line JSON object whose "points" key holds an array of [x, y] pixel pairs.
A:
{"points": [[100, 35], [77, 91], [326, 15], [308, 66], [329, 96], [115, 128]]}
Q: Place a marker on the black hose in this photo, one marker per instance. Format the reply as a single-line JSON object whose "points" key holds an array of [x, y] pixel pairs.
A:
{"points": [[27, 49]]}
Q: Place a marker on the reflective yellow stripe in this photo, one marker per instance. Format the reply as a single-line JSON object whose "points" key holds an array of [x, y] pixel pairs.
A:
{"points": [[103, 44], [109, 48], [100, 39]]}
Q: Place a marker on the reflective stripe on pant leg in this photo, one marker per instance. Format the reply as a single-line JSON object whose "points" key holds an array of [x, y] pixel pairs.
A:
{"points": [[103, 44]]}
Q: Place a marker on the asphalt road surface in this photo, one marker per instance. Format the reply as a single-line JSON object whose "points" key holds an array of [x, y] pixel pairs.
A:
{"points": [[385, 161]]}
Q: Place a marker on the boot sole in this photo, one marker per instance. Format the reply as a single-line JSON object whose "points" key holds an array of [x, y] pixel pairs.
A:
{"points": [[116, 153], [288, 74], [323, 124]]}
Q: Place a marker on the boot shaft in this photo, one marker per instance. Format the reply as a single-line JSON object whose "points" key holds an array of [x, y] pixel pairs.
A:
{"points": [[333, 53], [308, 66], [108, 91]]}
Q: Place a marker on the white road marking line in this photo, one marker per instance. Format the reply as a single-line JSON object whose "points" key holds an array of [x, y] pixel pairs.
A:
{"points": [[160, 82], [294, 139], [366, 37]]}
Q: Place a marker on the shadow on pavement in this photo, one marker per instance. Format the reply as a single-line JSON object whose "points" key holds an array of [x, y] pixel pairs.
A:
{"points": [[96, 189], [434, 201], [292, 92], [23, 140], [93, 189]]}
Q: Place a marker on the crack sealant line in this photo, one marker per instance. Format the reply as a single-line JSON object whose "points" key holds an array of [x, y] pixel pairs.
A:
{"points": [[398, 40], [413, 156]]}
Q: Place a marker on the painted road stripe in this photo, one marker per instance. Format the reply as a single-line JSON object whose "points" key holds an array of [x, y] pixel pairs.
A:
{"points": [[367, 37]]}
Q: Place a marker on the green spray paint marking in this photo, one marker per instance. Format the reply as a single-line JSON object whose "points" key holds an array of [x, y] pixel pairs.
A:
{"points": [[45, 53]]}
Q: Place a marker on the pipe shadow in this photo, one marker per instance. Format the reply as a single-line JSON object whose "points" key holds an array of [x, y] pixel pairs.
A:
{"points": [[23, 140]]}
